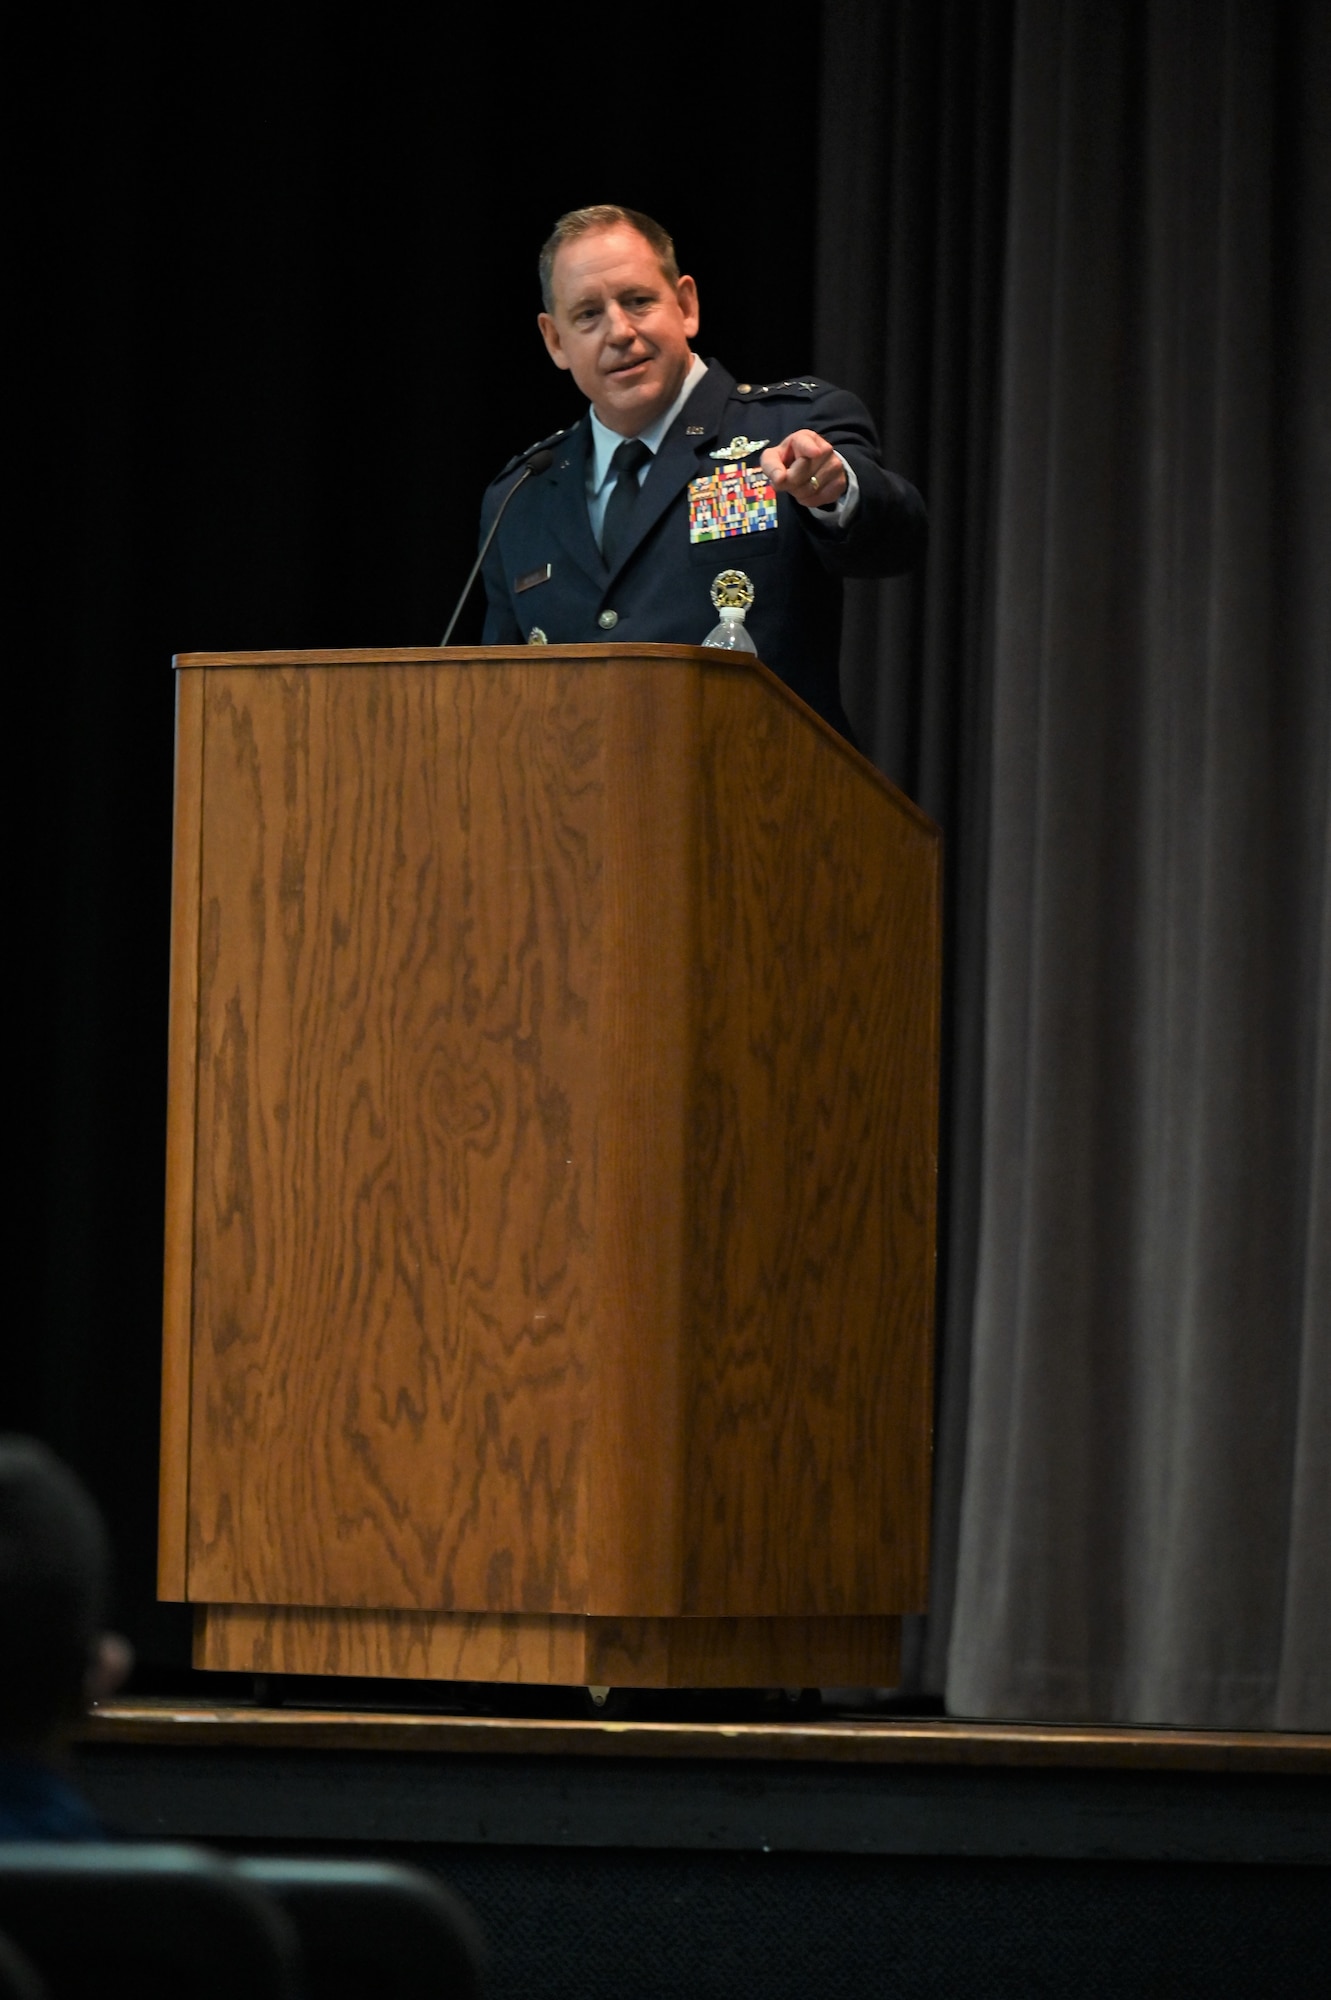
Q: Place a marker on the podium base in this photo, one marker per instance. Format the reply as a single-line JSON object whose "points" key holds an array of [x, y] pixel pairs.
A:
{"points": [[550, 1650]]}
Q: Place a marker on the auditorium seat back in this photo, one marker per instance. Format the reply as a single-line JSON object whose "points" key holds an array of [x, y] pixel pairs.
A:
{"points": [[371, 1928], [18, 1975], [158, 1922]]}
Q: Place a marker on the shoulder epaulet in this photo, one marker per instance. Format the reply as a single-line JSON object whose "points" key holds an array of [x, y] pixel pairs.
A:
{"points": [[801, 386], [542, 444]]}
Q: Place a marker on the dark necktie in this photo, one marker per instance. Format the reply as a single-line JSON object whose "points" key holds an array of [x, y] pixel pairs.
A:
{"points": [[627, 463]]}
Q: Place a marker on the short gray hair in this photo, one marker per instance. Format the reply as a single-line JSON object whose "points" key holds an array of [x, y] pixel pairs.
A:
{"points": [[582, 221]]}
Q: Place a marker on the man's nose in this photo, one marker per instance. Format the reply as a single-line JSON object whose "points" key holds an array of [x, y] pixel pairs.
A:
{"points": [[619, 326]]}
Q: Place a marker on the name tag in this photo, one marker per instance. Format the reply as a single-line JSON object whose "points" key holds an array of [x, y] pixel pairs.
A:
{"points": [[733, 500], [532, 578]]}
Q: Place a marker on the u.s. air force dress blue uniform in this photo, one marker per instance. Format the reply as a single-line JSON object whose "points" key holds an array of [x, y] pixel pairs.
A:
{"points": [[546, 580]]}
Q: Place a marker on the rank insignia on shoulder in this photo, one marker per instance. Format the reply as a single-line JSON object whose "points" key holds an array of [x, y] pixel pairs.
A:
{"points": [[521, 457], [740, 447], [795, 385]]}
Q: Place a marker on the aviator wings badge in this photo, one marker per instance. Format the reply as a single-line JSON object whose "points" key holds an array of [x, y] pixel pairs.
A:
{"points": [[739, 447]]}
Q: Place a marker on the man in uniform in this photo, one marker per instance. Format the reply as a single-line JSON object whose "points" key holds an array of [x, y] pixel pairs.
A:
{"points": [[678, 472]]}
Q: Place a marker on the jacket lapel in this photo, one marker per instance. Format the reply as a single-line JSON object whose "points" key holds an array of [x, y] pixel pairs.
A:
{"points": [[566, 501], [677, 460]]}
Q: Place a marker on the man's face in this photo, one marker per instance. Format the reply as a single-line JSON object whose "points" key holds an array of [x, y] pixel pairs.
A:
{"points": [[620, 327]]}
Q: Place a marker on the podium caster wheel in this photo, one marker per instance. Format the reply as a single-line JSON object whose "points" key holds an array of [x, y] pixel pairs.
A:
{"points": [[604, 1704], [799, 1704]]}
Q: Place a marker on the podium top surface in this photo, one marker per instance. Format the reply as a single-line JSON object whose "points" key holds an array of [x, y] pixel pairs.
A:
{"points": [[598, 654]]}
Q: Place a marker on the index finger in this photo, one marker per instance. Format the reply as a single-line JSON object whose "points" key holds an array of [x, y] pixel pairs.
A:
{"points": [[804, 444]]}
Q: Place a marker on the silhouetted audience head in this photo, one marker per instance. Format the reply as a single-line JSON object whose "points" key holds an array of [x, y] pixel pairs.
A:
{"points": [[55, 1568]]}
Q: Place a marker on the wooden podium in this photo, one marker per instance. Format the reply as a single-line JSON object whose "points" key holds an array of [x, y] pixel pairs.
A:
{"points": [[551, 1173]]}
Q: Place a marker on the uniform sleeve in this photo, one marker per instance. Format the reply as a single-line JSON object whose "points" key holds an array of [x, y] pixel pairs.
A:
{"points": [[888, 531]]}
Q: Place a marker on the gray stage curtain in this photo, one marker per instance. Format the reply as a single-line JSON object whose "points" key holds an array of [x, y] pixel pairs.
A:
{"points": [[1134, 1511], [914, 134]]}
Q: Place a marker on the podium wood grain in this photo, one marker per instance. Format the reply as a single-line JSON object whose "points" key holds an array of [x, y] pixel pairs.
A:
{"points": [[518, 1647], [178, 1260], [398, 997], [811, 1252], [561, 1094]]}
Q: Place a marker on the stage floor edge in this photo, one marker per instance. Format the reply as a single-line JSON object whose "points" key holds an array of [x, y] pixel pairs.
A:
{"points": [[182, 1770]]}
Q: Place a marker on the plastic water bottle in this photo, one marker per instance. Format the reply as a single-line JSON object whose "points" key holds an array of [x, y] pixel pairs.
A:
{"points": [[732, 634]]}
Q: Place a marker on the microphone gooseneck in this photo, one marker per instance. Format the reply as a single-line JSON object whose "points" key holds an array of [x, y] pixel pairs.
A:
{"points": [[537, 463]]}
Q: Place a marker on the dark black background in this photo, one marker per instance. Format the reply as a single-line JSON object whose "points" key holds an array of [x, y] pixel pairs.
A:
{"points": [[276, 300]]}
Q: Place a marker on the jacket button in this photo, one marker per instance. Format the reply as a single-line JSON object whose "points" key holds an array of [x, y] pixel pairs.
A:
{"points": [[608, 620]]}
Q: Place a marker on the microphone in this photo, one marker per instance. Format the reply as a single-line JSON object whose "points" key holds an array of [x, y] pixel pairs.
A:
{"points": [[537, 463]]}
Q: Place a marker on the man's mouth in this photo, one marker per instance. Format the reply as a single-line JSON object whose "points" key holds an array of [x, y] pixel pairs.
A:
{"points": [[628, 367]]}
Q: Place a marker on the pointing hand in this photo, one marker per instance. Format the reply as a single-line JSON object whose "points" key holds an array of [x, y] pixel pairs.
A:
{"points": [[806, 467]]}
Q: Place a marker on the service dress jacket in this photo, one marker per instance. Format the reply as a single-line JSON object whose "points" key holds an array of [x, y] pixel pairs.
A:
{"points": [[546, 581]]}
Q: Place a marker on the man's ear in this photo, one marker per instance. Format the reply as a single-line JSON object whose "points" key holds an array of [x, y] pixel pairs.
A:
{"points": [[554, 346], [687, 294]]}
